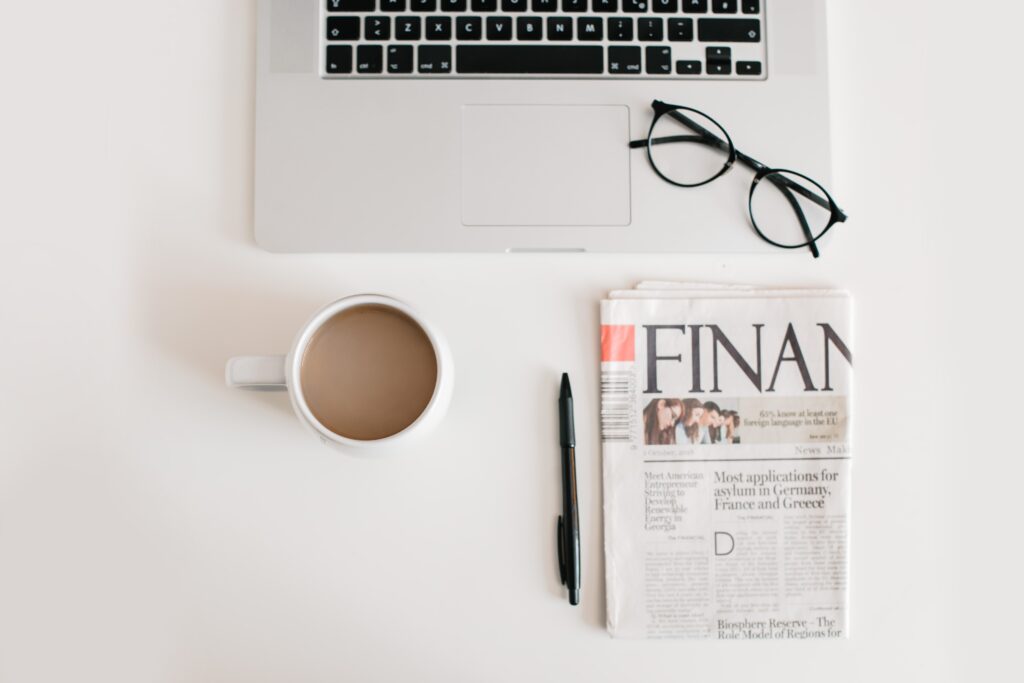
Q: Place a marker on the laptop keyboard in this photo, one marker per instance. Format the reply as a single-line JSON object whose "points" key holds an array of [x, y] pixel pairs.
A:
{"points": [[671, 39]]}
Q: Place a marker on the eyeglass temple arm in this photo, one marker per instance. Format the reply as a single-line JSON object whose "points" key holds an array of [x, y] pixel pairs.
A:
{"points": [[795, 205], [705, 135], [708, 137], [668, 138], [782, 181]]}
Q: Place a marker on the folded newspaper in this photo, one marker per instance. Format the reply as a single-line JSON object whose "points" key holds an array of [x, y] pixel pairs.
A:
{"points": [[725, 429]]}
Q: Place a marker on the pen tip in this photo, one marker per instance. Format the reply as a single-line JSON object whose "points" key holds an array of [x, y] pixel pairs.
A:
{"points": [[566, 389]]}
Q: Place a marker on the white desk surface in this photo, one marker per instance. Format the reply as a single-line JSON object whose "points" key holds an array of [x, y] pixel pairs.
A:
{"points": [[156, 526]]}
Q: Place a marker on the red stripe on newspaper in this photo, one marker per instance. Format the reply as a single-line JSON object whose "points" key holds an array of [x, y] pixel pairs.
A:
{"points": [[617, 343]]}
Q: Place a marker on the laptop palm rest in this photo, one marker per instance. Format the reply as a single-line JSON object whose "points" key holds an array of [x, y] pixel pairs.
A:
{"points": [[545, 165]]}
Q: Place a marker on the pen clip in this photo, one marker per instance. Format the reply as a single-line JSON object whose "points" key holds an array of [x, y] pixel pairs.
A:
{"points": [[560, 543]]}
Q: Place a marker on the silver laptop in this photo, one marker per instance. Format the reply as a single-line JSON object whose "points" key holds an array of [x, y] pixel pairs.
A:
{"points": [[504, 125]]}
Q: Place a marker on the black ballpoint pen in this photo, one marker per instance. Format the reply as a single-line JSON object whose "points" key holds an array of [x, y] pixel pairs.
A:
{"points": [[569, 520]]}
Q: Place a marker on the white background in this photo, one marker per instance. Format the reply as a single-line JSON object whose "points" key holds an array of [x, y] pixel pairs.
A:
{"points": [[155, 526]]}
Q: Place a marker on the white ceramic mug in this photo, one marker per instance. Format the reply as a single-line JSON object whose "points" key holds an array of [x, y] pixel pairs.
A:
{"points": [[283, 373]]}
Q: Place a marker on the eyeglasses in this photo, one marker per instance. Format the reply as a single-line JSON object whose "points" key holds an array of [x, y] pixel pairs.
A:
{"points": [[688, 148]]}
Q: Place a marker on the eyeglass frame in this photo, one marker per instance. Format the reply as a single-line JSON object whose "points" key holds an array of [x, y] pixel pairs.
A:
{"points": [[760, 169]]}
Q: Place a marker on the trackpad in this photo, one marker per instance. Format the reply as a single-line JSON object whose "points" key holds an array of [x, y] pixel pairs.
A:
{"points": [[545, 165]]}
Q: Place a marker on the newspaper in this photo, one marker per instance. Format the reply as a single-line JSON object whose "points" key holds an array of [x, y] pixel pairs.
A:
{"points": [[725, 429]]}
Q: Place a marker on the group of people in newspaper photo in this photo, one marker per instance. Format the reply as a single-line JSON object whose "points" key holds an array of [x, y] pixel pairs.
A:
{"points": [[669, 421]]}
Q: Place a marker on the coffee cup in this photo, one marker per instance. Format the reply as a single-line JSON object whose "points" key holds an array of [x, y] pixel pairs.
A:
{"points": [[365, 371]]}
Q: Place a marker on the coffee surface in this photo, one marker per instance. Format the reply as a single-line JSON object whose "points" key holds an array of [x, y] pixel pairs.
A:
{"points": [[368, 372]]}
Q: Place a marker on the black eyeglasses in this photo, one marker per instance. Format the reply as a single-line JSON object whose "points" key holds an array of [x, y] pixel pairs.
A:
{"points": [[688, 148]]}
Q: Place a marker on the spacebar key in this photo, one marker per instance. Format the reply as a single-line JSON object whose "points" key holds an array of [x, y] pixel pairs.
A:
{"points": [[529, 59]]}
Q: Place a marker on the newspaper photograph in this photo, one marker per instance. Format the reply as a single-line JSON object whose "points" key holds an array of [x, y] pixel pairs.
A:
{"points": [[725, 428]]}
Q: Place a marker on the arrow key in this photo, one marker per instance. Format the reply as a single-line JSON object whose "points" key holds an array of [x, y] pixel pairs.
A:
{"points": [[688, 67], [748, 68]]}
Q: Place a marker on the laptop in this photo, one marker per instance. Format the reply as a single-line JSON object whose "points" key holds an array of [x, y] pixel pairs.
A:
{"points": [[504, 125]]}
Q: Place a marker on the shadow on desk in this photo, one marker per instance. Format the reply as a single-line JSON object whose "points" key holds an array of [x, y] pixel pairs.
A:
{"points": [[200, 325]]}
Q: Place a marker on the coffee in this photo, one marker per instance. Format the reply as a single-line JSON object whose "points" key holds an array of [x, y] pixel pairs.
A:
{"points": [[369, 372]]}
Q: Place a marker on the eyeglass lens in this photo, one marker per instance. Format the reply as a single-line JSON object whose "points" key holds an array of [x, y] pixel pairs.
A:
{"points": [[789, 209], [688, 148]]}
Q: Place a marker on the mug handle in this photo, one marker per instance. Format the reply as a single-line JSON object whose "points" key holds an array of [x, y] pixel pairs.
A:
{"points": [[256, 372]]}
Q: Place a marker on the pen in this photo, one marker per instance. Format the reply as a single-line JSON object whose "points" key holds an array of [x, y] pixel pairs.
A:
{"points": [[569, 520]]}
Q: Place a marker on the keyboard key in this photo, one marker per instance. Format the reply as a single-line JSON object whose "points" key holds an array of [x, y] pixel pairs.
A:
{"points": [[544, 5], [350, 5], [400, 59], [665, 6], [724, 6], [468, 28], [530, 59], [407, 28], [574, 5], [378, 28], [559, 28], [485, 5], [439, 28], [513, 5], [369, 59], [423, 5], [695, 6], [434, 59], [499, 28], [392, 5], [620, 29], [649, 30], [342, 28], [634, 5], [453, 5], [680, 30], [719, 60], [605, 6], [529, 28], [729, 30], [748, 68], [623, 60], [659, 60], [589, 28], [688, 67], [751, 6], [339, 59]]}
